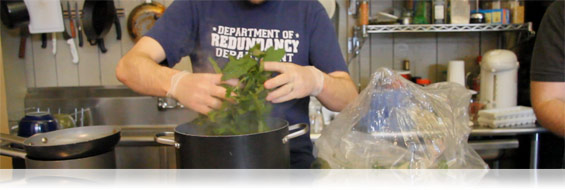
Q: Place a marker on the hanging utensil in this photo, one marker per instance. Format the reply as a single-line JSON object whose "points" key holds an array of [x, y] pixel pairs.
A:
{"points": [[54, 41], [143, 17], [14, 13], [71, 42], [98, 18], [44, 40], [79, 25], [24, 32], [118, 28], [71, 21], [46, 16]]}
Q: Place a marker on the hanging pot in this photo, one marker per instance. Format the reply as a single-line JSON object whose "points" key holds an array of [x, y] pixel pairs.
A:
{"points": [[143, 17], [14, 13], [98, 18]]}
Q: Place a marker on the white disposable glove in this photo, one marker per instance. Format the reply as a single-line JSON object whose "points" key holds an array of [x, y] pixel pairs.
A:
{"points": [[198, 91], [293, 82]]}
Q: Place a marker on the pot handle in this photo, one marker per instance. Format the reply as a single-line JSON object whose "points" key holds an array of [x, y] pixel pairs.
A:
{"points": [[160, 138], [6, 151], [302, 131], [12, 139]]}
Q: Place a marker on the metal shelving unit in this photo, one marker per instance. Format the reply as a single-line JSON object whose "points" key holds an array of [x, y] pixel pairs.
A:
{"points": [[355, 43], [375, 29]]}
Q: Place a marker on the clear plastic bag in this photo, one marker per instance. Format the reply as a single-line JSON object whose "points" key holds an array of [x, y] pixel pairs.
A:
{"points": [[397, 124]]}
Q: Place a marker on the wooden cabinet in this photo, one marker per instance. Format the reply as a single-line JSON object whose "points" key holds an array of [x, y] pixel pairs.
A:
{"points": [[5, 162]]}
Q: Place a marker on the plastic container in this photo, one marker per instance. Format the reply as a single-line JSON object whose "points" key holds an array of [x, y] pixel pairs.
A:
{"points": [[518, 116], [460, 11], [439, 11]]}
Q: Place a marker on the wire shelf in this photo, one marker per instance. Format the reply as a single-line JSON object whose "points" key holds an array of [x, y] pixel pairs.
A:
{"points": [[373, 29]]}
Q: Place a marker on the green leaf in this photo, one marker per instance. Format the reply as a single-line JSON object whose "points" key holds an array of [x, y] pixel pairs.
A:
{"points": [[215, 65], [246, 111], [256, 51], [237, 68], [274, 55]]}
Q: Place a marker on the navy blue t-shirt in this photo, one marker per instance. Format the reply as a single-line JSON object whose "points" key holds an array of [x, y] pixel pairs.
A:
{"points": [[202, 29]]}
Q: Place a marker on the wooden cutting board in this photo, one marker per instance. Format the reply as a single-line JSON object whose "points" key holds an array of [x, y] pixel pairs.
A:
{"points": [[5, 162]]}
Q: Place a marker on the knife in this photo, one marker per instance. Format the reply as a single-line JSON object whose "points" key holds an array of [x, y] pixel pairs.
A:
{"points": [[71, 43], [71, 22], [79, 25], [54, 42]]}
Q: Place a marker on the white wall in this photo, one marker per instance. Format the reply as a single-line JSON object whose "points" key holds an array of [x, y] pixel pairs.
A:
{"points": [[40, 68]]}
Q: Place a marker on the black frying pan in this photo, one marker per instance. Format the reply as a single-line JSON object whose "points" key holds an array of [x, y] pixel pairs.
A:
{"points": [[13, 13], [66, 144], [98, 18]]}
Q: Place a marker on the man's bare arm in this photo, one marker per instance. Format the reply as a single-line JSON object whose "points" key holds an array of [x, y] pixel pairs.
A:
{"points": [[548, 101], [139, 68], [339, 90]]}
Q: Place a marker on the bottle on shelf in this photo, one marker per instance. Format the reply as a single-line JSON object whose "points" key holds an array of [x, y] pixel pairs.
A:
{"points": [[516, 8], [439, 11], [407, 12], [363, 13], [459, 11], [422, 12]]}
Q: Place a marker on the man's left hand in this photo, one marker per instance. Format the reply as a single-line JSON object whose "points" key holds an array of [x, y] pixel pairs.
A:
{"points": [[294, 81]]}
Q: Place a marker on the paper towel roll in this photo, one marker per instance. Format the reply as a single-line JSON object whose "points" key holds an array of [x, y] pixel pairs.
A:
{"points": [[456, 72]]}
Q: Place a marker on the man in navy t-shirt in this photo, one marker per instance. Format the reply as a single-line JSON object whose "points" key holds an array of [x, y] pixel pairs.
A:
{"points": [[312, 66]]}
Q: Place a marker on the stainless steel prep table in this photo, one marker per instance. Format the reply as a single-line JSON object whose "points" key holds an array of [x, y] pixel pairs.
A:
{"points": [[532, 130]]}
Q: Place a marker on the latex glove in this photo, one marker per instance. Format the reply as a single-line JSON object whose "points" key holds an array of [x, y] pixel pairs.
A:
{"points": [[200, 92], [293, 82]]}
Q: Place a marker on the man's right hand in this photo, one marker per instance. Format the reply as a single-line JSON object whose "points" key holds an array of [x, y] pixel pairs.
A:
{"points": [[200, 92]]}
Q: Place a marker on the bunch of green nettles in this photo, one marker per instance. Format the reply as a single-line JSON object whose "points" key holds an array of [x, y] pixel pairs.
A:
{"points": [[246, 110]]}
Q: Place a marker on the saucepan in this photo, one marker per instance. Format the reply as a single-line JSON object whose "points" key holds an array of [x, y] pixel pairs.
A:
{"points": [[195, 148], [65, 144]]}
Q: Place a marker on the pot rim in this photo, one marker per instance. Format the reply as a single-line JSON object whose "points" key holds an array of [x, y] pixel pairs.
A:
{"points": [[285, 125]]}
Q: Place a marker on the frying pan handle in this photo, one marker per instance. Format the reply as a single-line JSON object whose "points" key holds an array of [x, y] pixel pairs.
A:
{"points": [[118, 28], [160, 138], [23, 40], [12, 139], [44, 40], [4, 151], [102, 46], [300, 132]]}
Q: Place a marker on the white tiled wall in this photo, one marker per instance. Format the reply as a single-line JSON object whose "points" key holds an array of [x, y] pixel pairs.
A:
{"points": [[43, 69], [40, 68]]}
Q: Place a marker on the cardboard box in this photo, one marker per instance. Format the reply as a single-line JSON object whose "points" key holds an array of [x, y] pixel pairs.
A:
{"points": [[495, 16]]}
